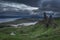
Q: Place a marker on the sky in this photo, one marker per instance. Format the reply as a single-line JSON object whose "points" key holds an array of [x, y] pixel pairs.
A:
{"points": [[54, 3], [27, 7], [27, 2], [16, 7], [50, 3], [38, 3]]}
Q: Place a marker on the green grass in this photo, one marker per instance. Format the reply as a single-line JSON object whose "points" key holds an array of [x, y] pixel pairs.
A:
{"points": [[36, 32]]}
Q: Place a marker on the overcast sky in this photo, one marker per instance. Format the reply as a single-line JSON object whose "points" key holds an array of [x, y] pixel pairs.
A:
{"points": [[38, 3], [27, 5], [15, 7]]}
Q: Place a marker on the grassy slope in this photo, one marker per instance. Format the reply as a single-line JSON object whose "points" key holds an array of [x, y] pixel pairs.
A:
{"points": [[36, 32]]}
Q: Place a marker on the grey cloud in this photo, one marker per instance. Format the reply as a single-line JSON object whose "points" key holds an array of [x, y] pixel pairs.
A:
{"points": [[53, 4], [15, 9], [27, 2]]}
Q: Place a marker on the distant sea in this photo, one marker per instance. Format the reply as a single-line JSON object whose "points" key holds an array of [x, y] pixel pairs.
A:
{"points": [[7, 19], [10, 18]]}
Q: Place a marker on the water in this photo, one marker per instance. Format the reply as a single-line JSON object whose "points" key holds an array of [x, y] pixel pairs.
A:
{"points": [[7, 19], [28, 24], [24, 24]]}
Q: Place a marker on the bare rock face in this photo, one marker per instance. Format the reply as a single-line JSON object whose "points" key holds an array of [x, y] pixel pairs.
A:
{"points": [[47, 21]]}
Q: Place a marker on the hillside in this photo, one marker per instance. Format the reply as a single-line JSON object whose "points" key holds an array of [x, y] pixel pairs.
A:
{"points": [[36, 32]]}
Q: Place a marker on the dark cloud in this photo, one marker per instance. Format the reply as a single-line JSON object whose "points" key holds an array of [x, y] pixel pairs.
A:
{"points": [[51, 4], [27, 2], [15, 9]]}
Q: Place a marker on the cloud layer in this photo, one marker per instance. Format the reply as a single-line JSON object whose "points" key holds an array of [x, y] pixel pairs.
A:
{"points": [[15, 8], [51, 4], [27, 2]]}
